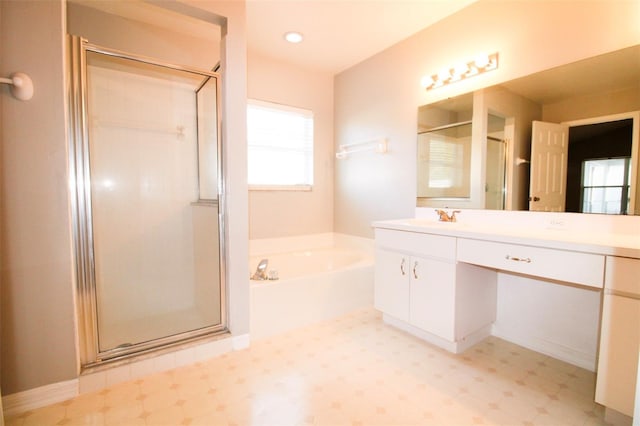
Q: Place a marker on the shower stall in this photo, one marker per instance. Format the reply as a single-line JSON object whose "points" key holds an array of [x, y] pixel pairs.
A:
{"points": [[146, 179]]}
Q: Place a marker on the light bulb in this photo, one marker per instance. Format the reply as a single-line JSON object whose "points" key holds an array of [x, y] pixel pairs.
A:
{"points": [[293, 37], [460, 71], [444, 74], [427, 81], [482, 60]]}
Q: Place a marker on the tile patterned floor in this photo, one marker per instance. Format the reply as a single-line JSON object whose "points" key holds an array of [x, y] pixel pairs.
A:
{"points": [[353, 370]]}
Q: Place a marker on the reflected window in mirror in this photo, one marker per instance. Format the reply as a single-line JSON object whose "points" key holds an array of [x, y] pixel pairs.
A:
{"points": [[605, 185], [599, 166], [444, 158]]}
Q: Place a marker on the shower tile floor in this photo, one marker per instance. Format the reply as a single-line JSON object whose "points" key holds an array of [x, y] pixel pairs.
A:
{"points": [[353, 370]]}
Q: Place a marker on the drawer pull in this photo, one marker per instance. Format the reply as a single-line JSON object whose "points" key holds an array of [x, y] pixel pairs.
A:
{"points": [[518, 259], [415, 273], [402, 266]]}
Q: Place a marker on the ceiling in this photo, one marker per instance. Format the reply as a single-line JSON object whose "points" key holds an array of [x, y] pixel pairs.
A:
{"points": [[341, 33], [599, 74], [337, 33]]}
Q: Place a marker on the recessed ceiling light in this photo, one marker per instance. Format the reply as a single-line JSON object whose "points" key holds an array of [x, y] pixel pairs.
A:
{"points": [[293, 37]]}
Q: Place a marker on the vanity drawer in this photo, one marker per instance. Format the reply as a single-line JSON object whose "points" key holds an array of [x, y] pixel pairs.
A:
{"points": [[429, 245], [623, 274], [574, 267]]}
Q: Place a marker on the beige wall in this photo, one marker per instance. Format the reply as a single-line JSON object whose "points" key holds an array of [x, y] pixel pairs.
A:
{"points": [[520, 112], [379, 97], [286, 213], [112, 31], [596, 105], [38, 332]]}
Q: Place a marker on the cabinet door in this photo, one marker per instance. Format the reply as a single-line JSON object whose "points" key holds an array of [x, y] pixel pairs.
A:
{"points": [[618, 360], [432, 296], [391, 289]]}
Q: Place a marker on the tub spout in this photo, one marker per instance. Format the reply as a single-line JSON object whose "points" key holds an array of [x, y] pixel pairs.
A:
{"points": [[261, 271]]}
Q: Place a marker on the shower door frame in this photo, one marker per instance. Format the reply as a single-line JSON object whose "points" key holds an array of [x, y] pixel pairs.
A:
{"points": [[80, 191]]}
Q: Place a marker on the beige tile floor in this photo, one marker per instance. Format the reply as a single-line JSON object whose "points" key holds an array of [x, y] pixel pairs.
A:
{"points": [[353, 370]]}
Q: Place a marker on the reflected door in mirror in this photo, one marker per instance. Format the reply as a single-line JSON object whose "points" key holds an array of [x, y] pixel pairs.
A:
{"points": [[549, 149]]}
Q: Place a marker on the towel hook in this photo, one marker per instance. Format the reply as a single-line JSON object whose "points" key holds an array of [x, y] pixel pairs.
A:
{"points": [[21, 85]]}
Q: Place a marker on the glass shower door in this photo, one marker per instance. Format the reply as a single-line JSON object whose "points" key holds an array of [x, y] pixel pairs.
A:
{"points": [[154, 236], [496, 164]]}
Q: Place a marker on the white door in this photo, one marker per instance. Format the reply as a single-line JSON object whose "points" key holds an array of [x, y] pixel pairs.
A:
{"points": [[391, 284], [432, 296], [549, 151]]}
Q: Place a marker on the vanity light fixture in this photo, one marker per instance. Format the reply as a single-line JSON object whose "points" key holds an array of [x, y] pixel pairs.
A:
{"points": [[481, 64], [293, 37]]}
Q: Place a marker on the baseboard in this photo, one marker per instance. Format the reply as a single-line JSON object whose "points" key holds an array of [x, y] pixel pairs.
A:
{"points": [[552, 349], [453, 347], [240, 342], [21, 402]]}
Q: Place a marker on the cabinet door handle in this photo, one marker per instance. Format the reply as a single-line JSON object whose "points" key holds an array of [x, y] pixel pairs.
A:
{"points": [[415, 273], [518, 259], [402, 267]]}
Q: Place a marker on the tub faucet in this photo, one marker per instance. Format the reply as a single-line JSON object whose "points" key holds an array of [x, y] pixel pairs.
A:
{"points": [[261, 271], [444, 217]]}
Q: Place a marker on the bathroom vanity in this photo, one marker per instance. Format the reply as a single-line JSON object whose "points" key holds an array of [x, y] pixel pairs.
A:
{"points": [[437, 280]]}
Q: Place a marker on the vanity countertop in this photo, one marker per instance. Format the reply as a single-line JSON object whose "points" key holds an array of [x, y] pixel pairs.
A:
{"points": [[588, 241]]}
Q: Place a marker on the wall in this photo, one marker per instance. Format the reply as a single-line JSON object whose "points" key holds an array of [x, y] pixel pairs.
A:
{"points": [[38, 331], [593, 105], [38, 334], [112, 31], [560, 320], [379, 97], [520, 112], [287, 213]]}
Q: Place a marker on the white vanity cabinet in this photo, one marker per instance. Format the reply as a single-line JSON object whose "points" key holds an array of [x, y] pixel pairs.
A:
{"points": [[620, 335], [420, 288], [415, 279], [439, 281]]}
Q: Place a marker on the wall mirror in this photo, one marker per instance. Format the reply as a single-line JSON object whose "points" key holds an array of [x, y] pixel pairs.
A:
{"points": [[564, 139]]}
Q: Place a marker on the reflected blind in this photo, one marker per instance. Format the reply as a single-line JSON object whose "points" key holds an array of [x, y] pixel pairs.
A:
{"points": [[280, 145]]}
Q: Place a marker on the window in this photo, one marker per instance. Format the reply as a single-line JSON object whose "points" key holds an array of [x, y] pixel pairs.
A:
{"points": [[280, 146], [605, 186], [444, 158]]}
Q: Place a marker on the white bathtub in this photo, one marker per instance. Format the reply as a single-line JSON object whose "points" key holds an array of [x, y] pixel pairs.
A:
{"points": [[320, 276]]}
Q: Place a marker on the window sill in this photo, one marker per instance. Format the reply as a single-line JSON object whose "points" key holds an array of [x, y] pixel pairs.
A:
{"points": [[280, 188]]}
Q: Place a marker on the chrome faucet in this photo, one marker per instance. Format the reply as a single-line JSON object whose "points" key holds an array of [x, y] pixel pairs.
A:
{"points": [[444, 217], [261, 271]]}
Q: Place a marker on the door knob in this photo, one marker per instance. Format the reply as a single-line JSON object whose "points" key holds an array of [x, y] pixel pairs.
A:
{"points": [[534, 198]]}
